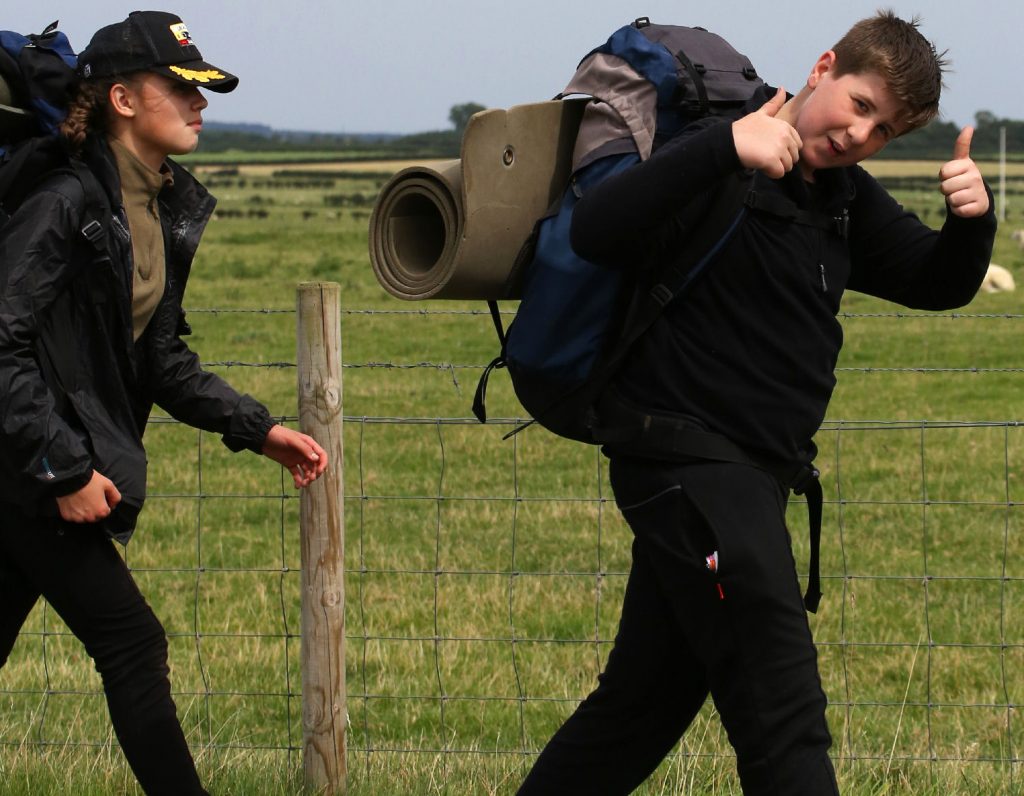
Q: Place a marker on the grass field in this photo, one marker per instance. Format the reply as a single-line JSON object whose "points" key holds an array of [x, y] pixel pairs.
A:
{"points": [[484, 576]]}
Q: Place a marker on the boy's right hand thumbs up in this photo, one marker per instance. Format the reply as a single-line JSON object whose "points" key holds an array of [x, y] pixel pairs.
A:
{"points": [[774, 105], [766, 143]]}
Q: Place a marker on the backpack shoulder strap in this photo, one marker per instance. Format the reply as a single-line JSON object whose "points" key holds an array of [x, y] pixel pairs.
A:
{"points": [[96, 212], [97, 209], [723, 217]]}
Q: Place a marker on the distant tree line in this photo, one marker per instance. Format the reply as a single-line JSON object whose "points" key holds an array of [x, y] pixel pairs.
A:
{"points": [[442, 143], [934, 142]]}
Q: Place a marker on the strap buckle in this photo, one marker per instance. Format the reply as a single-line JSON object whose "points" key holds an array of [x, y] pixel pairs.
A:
{"points": [[803, 479], [93, 232], [843, 224]]}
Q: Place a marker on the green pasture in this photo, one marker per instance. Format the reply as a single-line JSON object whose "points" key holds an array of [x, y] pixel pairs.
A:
{"points": [[484, 576]]}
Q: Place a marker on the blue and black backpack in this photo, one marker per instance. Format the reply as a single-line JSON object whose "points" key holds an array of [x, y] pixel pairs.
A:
{"points": [[577, 321], [37, 79], [37, 74]]}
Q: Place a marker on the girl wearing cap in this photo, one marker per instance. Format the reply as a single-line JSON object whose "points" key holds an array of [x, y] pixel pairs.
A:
{"points": [[90, 339]]}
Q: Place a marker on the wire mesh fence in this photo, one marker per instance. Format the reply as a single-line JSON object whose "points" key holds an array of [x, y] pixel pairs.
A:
{"points": [[484, 576]]}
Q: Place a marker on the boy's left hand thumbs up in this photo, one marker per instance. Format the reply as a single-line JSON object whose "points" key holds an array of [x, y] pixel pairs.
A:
{"points": [[962, 146], [960, 180]]}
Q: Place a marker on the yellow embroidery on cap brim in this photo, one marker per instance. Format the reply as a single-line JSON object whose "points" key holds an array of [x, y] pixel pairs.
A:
{"points": [[204, 76]]}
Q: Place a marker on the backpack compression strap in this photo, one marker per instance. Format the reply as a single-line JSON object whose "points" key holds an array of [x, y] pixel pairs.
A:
{"points": [[811, 486], [697, 76], [479, 399]]}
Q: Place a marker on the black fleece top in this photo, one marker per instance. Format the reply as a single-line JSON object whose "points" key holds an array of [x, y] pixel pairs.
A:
{"points": [[749, 351]]}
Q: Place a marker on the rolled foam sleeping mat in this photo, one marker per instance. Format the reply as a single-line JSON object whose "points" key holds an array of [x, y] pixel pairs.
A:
{"points": [[453, 230]]}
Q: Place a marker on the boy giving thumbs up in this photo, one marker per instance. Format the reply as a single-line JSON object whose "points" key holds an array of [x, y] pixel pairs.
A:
{"points": [[840, 118], [712, 606]]}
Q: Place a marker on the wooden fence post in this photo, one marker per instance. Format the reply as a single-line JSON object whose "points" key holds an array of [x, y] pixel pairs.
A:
{"points": [[322, 518]]}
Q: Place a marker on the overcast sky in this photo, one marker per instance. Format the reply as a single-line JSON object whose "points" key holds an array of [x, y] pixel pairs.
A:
{"points": [[399, 65]]}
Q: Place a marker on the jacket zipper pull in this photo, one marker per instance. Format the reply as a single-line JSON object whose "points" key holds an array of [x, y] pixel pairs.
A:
{"points": [[824, 284]]}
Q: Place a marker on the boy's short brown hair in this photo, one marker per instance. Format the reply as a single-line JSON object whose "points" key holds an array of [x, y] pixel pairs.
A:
{"points": [[895, 50]]}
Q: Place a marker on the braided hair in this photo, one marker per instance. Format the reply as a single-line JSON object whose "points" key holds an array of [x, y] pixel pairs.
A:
{"points": [[88, 111]]}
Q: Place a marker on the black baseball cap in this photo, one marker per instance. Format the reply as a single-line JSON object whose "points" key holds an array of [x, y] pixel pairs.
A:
{"points": [[151, 41]]}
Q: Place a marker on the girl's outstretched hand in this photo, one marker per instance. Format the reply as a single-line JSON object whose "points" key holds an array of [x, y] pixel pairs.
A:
{"points": [[297, 452]]}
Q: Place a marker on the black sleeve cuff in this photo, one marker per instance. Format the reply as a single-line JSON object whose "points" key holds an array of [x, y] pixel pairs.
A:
{"points": [[249, 426], [70, 485]]}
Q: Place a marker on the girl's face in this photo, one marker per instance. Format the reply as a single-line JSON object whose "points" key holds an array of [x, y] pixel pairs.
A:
{"points": [[158, 117]]}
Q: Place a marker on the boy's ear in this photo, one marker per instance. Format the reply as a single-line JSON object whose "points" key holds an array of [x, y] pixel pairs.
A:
{"points": [[822, 66]]}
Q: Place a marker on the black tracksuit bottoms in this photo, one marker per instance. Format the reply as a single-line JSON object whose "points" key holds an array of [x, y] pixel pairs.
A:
{"points": [[81, 575], [739, 634]]}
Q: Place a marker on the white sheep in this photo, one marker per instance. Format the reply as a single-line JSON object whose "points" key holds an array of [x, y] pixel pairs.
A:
{"points": [[1018, 236], [997, 279]]}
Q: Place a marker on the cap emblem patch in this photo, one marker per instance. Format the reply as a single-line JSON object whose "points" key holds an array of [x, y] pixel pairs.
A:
{"points": [[181, 34]]}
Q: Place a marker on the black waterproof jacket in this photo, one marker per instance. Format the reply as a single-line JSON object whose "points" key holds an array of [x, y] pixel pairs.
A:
{"points": [[750, 351], [75, 390]]}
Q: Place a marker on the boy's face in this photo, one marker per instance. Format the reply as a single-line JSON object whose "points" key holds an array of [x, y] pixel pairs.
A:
{"points": [[844, 119]]}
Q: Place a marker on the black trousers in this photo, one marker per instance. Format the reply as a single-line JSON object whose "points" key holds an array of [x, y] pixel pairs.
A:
{"points": [[79, 572], [739, 634]]}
